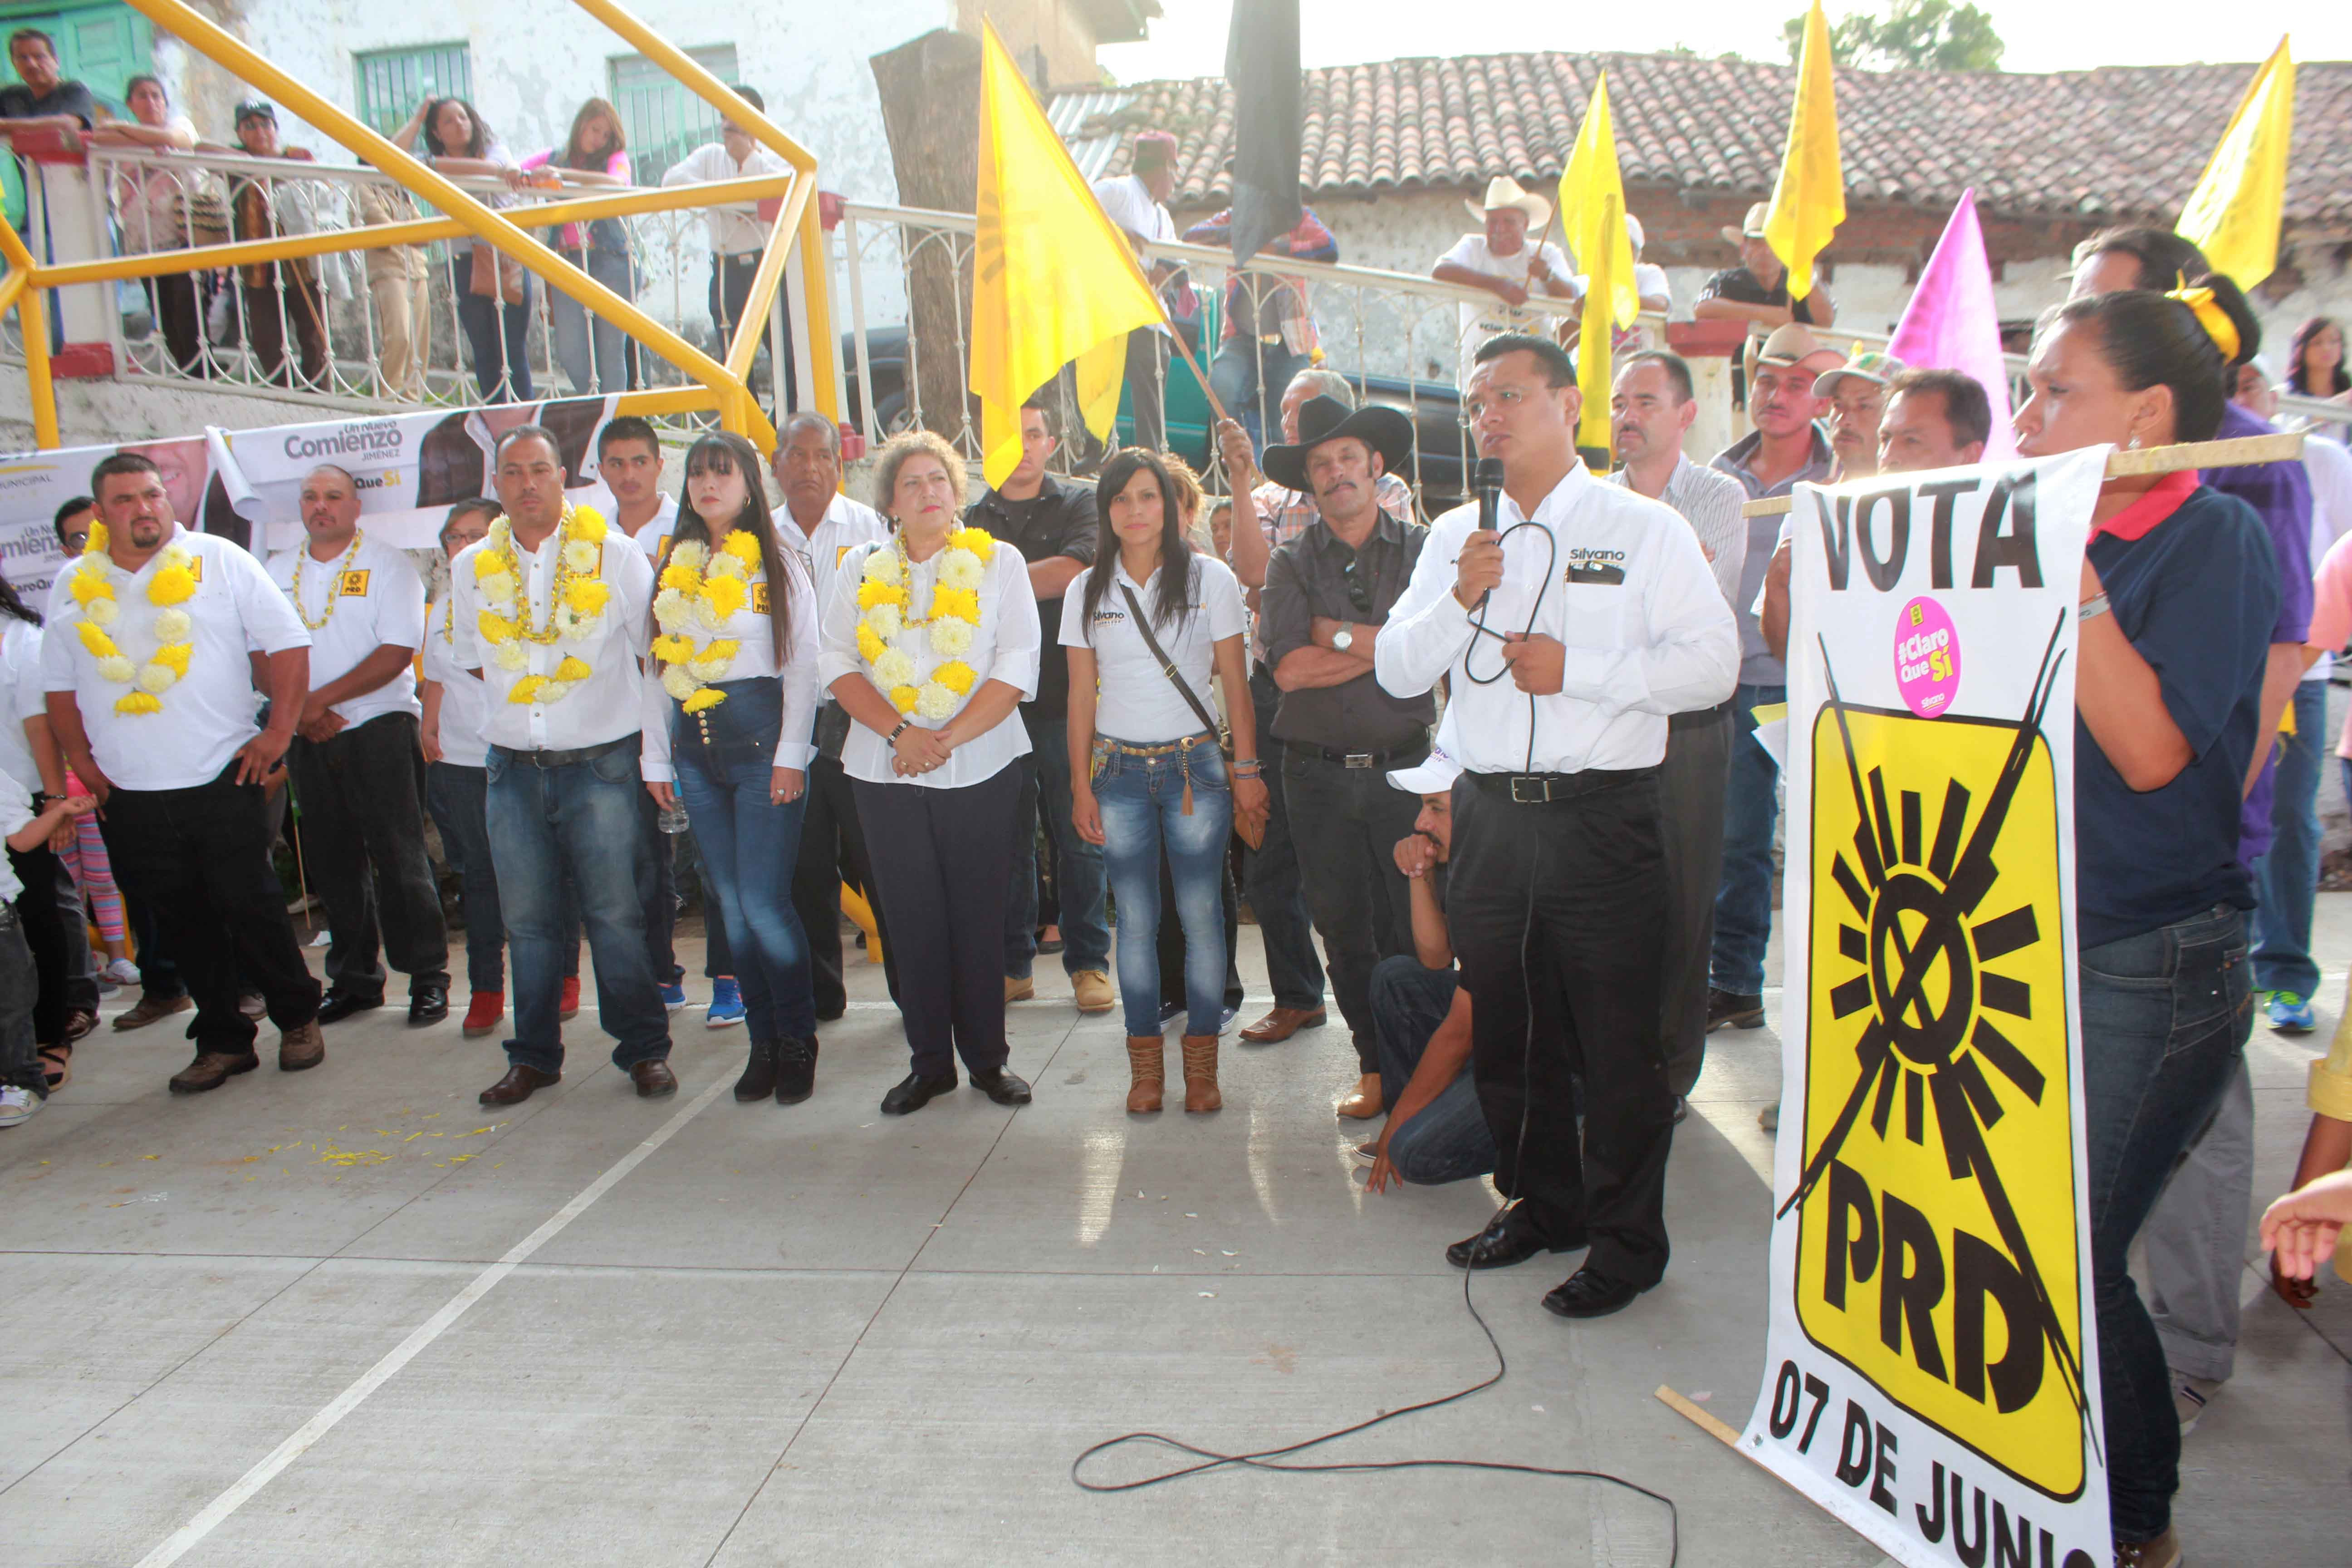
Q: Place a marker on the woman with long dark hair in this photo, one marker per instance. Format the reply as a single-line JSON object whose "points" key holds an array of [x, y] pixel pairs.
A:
{"points": [[1147, 771], [734, 645], [2179, 592], [595, 153], [493, 292], [2314, 368]]}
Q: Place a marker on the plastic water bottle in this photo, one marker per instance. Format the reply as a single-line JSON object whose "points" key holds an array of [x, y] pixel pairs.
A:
{"points": [[673, 819]]}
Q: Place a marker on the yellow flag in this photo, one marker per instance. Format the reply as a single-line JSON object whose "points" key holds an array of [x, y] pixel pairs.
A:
{"points": [[1808, 198], [1054, 280], [1592, 221], [2233, 214]]}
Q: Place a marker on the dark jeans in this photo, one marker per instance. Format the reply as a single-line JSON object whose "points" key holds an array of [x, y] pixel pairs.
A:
{"points": [[576, 328], [20, 1061], [1142, 801], [456, 795], [2165, 1021], [159, 973], [1743, 905], [79, 965], [40, 926], [581, 819], [657, 895], [498, 335], [1346, 823], [2286, 878], [1293, 968], [271, 309], [179, 319], [1591, 935], [1250, 377], [730, 296], [199, 858], [363, 843], [1147, 397], [724, 764], [1086, 929], [1447, 1139], [942, 858], [1690, 809], [833, 850]]}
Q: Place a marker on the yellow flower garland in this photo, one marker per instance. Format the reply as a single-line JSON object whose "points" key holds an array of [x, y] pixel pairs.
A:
{"points": [[575, 609], [334, 582], [92, 588], [701, 591], [952, 620]]}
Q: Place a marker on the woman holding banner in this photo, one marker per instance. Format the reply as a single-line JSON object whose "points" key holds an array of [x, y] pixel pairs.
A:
{"points": [[2179, 589]]}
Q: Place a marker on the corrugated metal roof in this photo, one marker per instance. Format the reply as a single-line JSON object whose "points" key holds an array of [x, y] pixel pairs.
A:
{"points": [[1069, 113]]}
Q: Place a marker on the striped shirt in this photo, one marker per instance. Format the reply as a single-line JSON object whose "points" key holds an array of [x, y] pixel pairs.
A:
{"points": [[1710, 503]]}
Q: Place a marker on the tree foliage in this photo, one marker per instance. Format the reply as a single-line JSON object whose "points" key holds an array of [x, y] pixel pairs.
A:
{"points": [[1912, 35]]}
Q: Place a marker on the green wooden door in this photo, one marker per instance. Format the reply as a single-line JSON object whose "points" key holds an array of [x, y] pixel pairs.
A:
{"points": [[102, 46]]}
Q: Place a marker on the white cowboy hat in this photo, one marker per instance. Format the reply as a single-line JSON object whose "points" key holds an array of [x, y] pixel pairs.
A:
{"points": [[1503, 191]]}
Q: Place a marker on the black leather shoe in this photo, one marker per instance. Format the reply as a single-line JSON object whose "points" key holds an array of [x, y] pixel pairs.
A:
{"points": [[519, 1084], [1002, 1087], [1587, 1295], [427, 1005], [832, 1014], [796, 1069], [915, 1091], [341, 1005], [1730, 1008], [1504, 1242]]}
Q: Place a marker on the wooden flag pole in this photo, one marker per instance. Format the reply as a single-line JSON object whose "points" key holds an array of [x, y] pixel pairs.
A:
{"points": [[2239, 452]]}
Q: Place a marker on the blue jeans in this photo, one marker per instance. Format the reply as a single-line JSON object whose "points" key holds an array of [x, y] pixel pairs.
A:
{"points": [[575, 329], [456, 795], [1142, 801], [581, 819], [1447, 1139], [2286, 878], [1743, 904], [1250, 377], [2165, 1021], [749, 846], [1085, 928]]}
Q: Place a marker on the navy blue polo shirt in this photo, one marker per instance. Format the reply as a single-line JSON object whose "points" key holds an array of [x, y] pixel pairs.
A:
{"points": [[2198, 595]]}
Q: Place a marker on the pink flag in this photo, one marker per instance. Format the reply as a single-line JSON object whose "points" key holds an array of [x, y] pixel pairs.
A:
{"points": [[1952, 323]]}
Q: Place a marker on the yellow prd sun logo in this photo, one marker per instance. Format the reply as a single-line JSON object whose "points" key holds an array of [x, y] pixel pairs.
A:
{"points": [[1936, 1252]]}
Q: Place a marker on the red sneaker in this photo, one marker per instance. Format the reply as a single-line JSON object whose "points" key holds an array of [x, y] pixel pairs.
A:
{"points": [[570, 1008], [482, 1017]]}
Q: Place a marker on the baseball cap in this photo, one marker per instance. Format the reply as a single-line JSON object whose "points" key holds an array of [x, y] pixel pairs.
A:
{"points": [[1435, 776], [1872, 366]]}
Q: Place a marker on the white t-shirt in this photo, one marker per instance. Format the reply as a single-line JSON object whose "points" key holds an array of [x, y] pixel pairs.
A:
{"points": [[21, 697], [15, 811], [1135, 699], [1128, 203], [464, 702], [2329, 468], [210, 711], [1481, 322], [377, 600], [652, 536], [1650, 281]]}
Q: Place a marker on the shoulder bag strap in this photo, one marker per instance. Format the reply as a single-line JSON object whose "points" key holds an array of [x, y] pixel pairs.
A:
{"points": [[1143, 624]]}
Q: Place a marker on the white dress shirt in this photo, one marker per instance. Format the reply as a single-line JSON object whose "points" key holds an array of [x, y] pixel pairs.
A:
{"points": [[1004, 648], [209, 712], [465, 703], [1135, 699], [735, 228], [656, 530], [21, 697], [756, 658], [845, 525], [1646, 632], [610, 703], [378, 601]]}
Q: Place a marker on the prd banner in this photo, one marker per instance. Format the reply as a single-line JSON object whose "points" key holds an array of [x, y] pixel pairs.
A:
{"points": [[1933, 1361]]}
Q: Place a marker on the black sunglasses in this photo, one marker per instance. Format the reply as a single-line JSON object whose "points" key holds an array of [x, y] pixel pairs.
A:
{"points": [[1359, 589]]}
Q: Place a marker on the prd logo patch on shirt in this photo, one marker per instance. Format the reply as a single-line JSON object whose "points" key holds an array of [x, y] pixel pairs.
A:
{"points": [[838, 552], [1603, 567], [759, 598], [353, 584]]}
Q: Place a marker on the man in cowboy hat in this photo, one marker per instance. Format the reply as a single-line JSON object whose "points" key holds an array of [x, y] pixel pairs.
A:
{"points": [[1501, 262], [1327, 592], [1757, 291]]}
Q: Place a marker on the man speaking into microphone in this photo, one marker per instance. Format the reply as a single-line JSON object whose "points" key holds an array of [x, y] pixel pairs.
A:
{"points": [[1572, 630]]}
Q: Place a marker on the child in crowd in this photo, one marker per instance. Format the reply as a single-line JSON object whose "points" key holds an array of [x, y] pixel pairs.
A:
{"points": [[23, 1088]]}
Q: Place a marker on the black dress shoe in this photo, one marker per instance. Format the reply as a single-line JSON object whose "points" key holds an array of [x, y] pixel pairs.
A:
{"points": [[915, 1091], [796, 1069], [654, 1079], [1002, 1087], [1589, 1295], [341, 1005], [832, 1014], [427, 1005], [1504, 1241], [1741, 1012]]}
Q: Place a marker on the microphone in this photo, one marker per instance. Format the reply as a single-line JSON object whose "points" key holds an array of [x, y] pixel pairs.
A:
{"points": [[1487, 480]]}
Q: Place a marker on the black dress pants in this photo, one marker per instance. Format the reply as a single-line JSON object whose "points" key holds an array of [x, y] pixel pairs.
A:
{"points": [[1691, 784], [44, 925], [832, 851], [364, 846], [199, 857], [1344, 823], [1587, 948]]}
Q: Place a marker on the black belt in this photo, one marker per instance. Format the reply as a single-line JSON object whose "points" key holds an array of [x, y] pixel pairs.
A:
{"points": [[1401, 755], [564, 759], [1542, 789]]}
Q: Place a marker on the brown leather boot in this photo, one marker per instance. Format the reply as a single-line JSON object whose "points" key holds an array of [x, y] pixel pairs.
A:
{"points": [[1201, 1092], [1147, 1058]]}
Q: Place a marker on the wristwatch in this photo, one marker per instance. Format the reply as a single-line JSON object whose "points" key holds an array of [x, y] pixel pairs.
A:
{"points": [[1345, 637]]}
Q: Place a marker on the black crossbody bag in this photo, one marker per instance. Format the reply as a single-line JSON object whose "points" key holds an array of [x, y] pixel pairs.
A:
{"points": [[1251, 826]]}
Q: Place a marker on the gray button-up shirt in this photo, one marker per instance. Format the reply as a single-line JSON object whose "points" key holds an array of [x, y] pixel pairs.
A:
{"points": [[1309, 577], [1710, 503], [1757, 665]]}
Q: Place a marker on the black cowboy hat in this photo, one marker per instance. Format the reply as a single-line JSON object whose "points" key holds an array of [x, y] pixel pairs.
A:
{"points": [[1322, 419]]}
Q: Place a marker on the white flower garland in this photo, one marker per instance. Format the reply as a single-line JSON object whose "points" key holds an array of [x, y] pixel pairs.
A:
{"points": [[701, 591], [93, 587], [952, 621]]}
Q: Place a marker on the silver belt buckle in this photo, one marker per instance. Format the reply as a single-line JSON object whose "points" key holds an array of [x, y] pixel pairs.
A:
{"points": [[1527, 791], [1356, 760]]}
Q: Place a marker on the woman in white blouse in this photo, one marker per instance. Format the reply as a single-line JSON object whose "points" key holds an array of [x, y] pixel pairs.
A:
{"points": [[734, 647], [1146, 769], [932, 657], [152, 205]]}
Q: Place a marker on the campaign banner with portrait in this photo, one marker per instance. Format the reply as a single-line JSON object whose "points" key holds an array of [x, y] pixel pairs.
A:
{"points": [[35, 485], [1932, 1374]]}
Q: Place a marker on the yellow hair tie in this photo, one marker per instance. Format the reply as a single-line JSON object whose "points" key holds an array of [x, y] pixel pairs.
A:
{"points": [[2212, 317]]}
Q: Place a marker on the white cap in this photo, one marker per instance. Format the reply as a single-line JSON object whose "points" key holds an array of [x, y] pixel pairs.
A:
{"points": [[1633, 230], [1433, 776]]}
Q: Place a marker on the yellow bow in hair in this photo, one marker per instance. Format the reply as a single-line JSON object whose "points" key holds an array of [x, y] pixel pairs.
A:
{"points": [[2212, 317]]}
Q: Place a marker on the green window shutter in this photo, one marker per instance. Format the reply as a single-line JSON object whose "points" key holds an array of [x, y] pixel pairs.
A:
{"points": [[665, 122], [388, 84]]}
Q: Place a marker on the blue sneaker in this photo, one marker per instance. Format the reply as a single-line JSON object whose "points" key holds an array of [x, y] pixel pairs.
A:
{"points": [[673, 994], [2290, 1013], [726, 1007]]}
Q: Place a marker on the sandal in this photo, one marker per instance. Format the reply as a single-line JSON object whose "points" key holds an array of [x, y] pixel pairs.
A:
{"points": [[57, 1066]]}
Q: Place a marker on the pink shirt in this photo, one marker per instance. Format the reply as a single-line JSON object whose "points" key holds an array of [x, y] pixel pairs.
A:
{"points": [[2331, 613], [617, 165]]}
